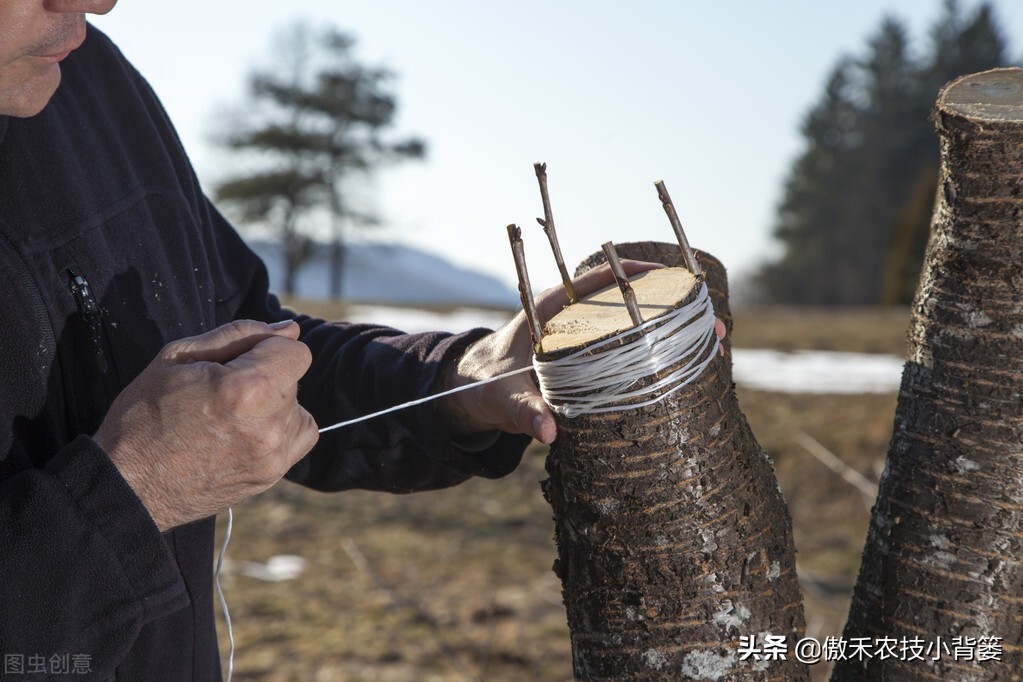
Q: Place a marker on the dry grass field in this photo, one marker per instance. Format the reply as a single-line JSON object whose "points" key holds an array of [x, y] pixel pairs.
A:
{"points": [[456, 585]]}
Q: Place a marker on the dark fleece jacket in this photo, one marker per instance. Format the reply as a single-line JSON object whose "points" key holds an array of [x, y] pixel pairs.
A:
{"points": [[108, 251]]}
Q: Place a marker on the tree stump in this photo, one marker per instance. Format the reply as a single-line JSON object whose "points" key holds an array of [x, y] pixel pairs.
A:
{"points": [[943, 561], [673, 537]]}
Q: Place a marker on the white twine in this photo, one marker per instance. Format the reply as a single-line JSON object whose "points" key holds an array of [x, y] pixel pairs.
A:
{"points": [[601, 377], [420, 401], [605, 376], [220, 594]]}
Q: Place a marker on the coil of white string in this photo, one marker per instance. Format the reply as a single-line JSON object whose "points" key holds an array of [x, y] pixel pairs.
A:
{"points": [[603, 377]]}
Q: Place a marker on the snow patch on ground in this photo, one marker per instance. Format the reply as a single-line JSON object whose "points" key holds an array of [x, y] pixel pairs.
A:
{"points": [[816, 371]]}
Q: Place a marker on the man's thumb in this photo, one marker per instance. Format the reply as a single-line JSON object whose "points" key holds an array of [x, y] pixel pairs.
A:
{"points": [[536, 420]]}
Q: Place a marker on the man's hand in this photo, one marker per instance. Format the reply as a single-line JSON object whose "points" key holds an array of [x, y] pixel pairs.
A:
{"points": [[514, 404], [212, 420]]}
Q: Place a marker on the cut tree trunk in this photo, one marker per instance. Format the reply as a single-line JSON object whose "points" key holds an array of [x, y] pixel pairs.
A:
{"points": [[673, 537], [944, 552]]}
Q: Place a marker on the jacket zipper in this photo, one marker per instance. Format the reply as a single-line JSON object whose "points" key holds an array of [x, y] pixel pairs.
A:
{"points": [[91, 313]]}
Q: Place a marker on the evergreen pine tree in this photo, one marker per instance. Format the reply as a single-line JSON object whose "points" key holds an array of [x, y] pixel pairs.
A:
{"points": [[850, 222], [958, 46], [313, 123]]}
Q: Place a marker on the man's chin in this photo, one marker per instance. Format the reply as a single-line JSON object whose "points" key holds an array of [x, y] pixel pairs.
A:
{"points": [[30, 97]]}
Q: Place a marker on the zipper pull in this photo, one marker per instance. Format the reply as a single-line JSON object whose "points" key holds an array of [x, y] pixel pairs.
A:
{"points": [[92, 314]]}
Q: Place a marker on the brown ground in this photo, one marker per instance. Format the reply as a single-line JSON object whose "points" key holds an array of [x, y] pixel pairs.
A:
{"points": [[456, 585]]}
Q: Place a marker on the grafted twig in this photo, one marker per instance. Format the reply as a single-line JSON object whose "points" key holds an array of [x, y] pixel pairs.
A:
{"points": [[623, 282], [525, 290], [547, 223], [676, 225]]}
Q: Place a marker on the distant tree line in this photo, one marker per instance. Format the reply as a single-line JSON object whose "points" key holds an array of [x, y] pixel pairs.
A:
{"points": [[857, 204]]}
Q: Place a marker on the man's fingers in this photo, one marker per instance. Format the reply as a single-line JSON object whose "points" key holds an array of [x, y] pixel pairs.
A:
{"points": [[304, 435], [277, 356], [551, 301], [226, 343], [600, 277]]}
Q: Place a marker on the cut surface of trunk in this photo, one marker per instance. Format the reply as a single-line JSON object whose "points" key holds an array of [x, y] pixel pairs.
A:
{"points": [[603, 314], [668, 254], [942, 572], [673, 538]]}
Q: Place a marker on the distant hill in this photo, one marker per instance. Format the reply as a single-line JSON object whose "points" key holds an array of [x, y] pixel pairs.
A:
{"points": [[392, 274]]}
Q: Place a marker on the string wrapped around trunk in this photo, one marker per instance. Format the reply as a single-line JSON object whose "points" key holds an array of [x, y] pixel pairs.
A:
{"points": [[609, 375]]}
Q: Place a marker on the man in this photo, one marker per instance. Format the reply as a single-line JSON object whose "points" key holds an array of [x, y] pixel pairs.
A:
{"points": [[151, 380]]}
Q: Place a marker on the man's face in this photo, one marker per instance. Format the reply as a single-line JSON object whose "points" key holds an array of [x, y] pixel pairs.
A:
{"points": [[35, 35]]}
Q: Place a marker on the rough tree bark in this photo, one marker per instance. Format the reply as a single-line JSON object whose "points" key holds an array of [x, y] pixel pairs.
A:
{"points": [[944, 552], [673, 537]]}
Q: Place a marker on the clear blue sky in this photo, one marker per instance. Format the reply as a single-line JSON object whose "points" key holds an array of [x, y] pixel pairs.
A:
{"points": [[706, 96]]}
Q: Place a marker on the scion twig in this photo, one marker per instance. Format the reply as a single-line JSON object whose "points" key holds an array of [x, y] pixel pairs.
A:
{"points": [[547, 223], [623, 283], [676, 224], [525, 291]]}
